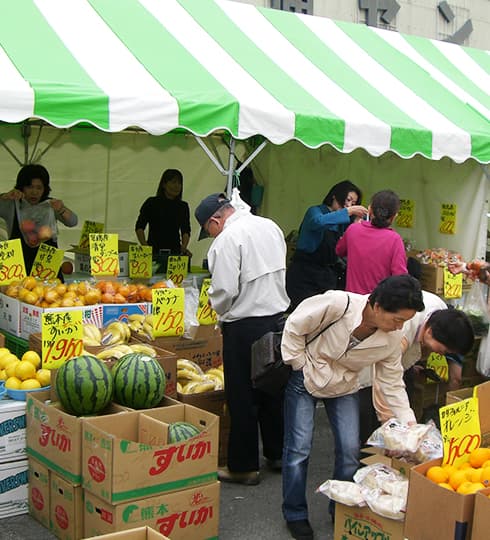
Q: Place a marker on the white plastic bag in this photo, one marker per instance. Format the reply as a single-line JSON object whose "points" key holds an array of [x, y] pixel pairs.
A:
{"points": [[237, 202], [483, 360], [475, 307]]}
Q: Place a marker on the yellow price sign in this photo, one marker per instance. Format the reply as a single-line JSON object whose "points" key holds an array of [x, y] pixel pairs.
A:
{"points": [[453, 284], [89, 227], [47, 262], [438, 364], [62, 337], [205, 313], [460, 430], [168, 312], [140, 261], [12, 267], [447, 224], [177, 268], [406, 214], [104, 254]]}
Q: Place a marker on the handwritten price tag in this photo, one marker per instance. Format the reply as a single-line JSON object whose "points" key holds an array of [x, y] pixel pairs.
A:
{"points": [[177, 268], [62, 337], [104, 255], [447, 224], [12, 266], [168, 312], [460, 430], [405, 217], [140, 261], [438, 363], [453, 284], [205, 313], [47, 262], [89, 227]]}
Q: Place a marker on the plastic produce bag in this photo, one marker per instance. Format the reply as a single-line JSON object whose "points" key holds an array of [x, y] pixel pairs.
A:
{"points": [[398, 437], [37, 222], [483, 360], [475, 307], [343, 492], [237, 202], [191, 303]]}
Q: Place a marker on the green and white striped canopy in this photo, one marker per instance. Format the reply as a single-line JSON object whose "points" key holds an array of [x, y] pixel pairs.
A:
{"points": [[213, 65]]}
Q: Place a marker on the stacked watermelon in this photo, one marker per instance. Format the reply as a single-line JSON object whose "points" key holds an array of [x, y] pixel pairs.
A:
{"points": [[181, 431], [84, 385], [139, 381]]}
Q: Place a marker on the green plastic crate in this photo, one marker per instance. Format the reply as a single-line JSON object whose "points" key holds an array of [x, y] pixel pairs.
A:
{"points": [[16, 345]]}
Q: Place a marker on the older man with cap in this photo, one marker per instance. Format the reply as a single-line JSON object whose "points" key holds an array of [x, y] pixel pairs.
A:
{"points": [[247, 261]]}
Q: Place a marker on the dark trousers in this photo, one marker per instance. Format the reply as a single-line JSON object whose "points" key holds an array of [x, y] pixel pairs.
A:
{"points": [[249, 409]]}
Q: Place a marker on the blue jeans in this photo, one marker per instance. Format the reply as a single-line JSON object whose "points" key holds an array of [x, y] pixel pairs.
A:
{"points": [[299, 419]]}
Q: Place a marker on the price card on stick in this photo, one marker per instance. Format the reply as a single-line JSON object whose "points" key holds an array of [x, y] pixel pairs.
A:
{"points": [[205, 313], [453, 284], [447, 224], [438, 363], [104, 255], [47, 262], [177, 268], [88, 228], [406, 213], [460, 430], [62, 337], [168, 312], [140, 261], [12, 267]]}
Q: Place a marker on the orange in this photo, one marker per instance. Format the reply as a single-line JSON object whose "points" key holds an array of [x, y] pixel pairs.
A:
{"points": [[437, 474], [449, 468], [465, 465], [469, 487], [485, 476], [50, 295], [479, 456], [474, 475], [13, 383], [30, 282], [446, 486], [486, 464], [25, 370], [457, 478], [32, 357], [30, 384]]}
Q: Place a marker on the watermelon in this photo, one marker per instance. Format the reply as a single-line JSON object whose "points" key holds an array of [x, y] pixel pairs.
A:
{"points": [[139, 381], [84, 385], [181, 431]]}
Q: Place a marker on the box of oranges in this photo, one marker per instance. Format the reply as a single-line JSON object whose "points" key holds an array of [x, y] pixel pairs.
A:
{"points": [[481, 516]]}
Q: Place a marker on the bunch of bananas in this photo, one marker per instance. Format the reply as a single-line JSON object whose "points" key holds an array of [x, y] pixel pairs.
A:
{"points": [[191, 379], [117, 351], [92, 336], [115, 333], [141, 325]]}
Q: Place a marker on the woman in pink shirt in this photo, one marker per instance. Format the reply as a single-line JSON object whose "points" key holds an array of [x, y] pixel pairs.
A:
{"points": [[373, 249]]}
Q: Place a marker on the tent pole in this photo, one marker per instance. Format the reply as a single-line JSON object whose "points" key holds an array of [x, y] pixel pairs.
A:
{"points": [[259, 149], [210, 155], [231, 168], [19, 163]]}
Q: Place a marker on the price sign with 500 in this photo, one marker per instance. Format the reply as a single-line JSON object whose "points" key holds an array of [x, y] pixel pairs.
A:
{"points": [[168, 312], [11, 262]]}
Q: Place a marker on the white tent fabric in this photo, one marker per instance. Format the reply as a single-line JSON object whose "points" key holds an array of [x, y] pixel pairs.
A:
{"points": [[213, 65]]}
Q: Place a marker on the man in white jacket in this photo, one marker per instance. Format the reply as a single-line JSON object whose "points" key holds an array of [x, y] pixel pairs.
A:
{"points": [[247, 261]]}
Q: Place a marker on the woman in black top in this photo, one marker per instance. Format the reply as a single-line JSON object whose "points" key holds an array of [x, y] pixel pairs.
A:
{"points": [[167, 217]]}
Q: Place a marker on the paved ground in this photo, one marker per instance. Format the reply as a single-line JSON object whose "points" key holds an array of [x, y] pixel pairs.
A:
{"points": [[246, 511]]}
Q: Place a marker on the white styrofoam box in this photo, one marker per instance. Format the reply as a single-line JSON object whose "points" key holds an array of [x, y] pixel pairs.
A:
{"points": [[31, 316], [12, 430], [9, 314], [82, 263], [13, 488]]}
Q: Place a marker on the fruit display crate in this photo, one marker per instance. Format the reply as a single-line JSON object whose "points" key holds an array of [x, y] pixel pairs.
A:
{"points": [[15, 345]]}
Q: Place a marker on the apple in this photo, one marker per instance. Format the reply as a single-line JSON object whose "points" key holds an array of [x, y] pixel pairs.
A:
{"points": [[27, 225], [45, 232]]}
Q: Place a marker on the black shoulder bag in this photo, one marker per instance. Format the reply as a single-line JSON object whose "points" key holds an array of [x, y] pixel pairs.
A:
{"points": [[269, 373]]}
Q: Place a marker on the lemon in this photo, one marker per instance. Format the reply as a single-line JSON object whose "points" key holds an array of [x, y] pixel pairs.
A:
{"points": [[3, 375], [13, 383], [44, 376], [6, 359], [32, 357], [4, 351], [11, 367], [30, 384], [25, 370]]}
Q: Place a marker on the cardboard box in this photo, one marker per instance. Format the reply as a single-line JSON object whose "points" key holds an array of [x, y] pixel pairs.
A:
{"points": [[353, 523], [206, 348], [66, 508], [12, 430], [13, 488], [9, 314], [436, 512], [189, 514], [140, 533], [82, 258], [121, 312], [31, 316], [38, 491], [130, 459], [481, 516], [54, 437]]}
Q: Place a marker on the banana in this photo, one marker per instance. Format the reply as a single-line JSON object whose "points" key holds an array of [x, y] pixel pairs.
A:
{"points": [[115, 333], [217, 372], [142, 348], [180, 388], [136, 317], [187, 374], [125, 349], [135, 326], [89, 342], [183, 363], [91, 331], [204, 386], [188, 388], [218, 383], [148, 329], [111, 352], [149, 319]]}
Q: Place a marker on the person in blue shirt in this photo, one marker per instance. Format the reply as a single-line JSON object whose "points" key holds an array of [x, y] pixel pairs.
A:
{"points": [[313, 267]]}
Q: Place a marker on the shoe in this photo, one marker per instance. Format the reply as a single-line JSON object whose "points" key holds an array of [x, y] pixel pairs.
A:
{"points": [[300, 530], [274, 464], [251, 478]]}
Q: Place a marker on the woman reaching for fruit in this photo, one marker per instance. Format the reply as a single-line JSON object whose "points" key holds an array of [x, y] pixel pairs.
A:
{"points": [[31, 215]]}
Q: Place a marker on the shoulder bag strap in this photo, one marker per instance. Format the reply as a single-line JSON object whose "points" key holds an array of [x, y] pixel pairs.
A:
{"points": [[331, 324]]}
